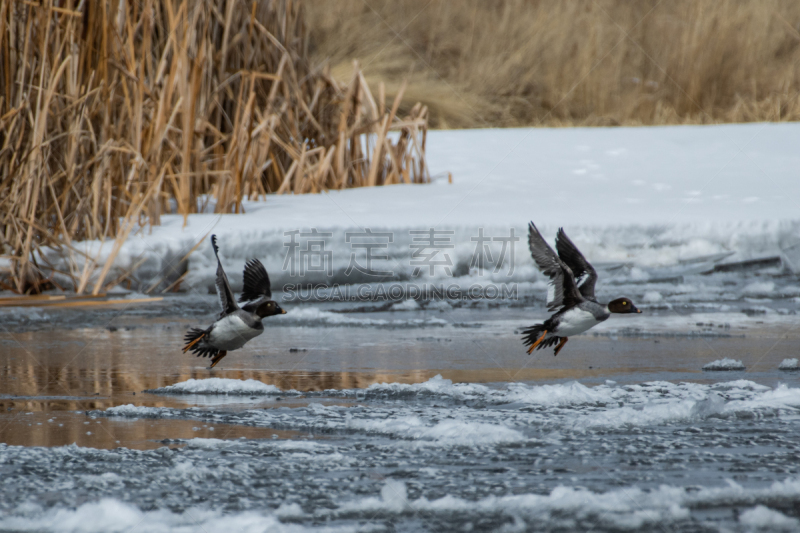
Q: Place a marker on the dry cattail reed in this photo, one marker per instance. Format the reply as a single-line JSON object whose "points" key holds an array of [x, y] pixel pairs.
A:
{"points": [[111, 109]]}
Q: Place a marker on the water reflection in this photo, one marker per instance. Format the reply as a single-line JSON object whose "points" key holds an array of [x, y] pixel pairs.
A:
{"points": [[52, 373], [64, 428]]}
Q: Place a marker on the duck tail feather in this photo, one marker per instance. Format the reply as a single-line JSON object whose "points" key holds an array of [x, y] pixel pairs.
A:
{"points": [[194, 343], [532, 334]]}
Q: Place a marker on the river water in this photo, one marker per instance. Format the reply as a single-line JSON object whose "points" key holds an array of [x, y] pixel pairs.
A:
{"points": [[431, 417]]}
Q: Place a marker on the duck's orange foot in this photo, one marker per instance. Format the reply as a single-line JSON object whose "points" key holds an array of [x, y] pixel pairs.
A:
{"points": [[217, 358], [560, 345], [537, 343]]}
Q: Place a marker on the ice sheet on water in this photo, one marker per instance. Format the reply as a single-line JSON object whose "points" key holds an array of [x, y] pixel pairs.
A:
{"points": [[313, 316], [138, 411], [572, 508], [266, 485], [563, 508], [445, 414], [724, 364]]}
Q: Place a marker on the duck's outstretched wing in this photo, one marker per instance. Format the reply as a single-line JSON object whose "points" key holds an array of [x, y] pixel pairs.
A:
{"points": [[256, 282], [226, 299], [584, 272], [562, 291]]}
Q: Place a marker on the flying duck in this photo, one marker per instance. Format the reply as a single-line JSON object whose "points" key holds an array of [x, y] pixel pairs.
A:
{"points": [[235, 325], [577, 309]]}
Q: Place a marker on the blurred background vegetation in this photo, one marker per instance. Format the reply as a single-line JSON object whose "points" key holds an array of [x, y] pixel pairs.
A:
{"points": [[501, 63]]}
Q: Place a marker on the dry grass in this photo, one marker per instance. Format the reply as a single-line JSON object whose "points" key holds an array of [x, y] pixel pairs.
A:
{"points": [[112, 110], [573, 62]]}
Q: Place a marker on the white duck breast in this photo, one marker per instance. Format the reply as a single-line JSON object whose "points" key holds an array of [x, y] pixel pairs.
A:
{"points": [[576, 321], [231, 333]]}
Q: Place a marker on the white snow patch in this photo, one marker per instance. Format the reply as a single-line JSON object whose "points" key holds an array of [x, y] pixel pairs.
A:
{"points": [[113, 516], [789, 364], [724, 364]]}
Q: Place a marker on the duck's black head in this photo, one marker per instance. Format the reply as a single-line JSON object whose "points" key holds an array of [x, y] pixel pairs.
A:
{"points": [[269, 308], [622, 305]]}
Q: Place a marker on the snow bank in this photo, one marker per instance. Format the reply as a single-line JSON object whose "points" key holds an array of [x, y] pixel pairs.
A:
{"points": [[684, 197], [724, 364]]}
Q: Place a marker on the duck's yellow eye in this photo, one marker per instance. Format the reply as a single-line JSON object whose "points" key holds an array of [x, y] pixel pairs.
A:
{"points": [[624, 303]]}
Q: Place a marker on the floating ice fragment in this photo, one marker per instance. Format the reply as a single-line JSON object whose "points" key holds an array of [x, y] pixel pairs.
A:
{"points": [[406, 305], [219, 386], [759, 288], [764, 518], [395, 495], [724, 364], [652, 297], [789, 364]]}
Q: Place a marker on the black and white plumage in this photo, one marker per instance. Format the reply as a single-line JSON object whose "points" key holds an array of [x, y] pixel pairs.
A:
{"points": [[256, 285], [575, 307], [583, 272], [234, 325]]}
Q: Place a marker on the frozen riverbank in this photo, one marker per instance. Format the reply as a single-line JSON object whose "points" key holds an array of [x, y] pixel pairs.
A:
{"points": [[660, 201]]}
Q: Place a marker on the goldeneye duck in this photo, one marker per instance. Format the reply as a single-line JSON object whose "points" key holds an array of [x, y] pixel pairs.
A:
{"points": [[577, 309], [235, 325]]}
